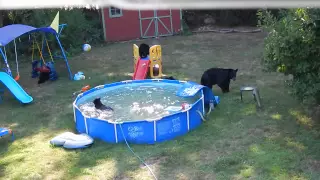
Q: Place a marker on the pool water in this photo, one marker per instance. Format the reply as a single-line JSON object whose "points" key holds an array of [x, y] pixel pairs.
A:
{"points": [[134, 102]]}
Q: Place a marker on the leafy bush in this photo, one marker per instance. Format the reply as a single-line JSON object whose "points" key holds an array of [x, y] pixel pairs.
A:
{"points": [[292, 47]]}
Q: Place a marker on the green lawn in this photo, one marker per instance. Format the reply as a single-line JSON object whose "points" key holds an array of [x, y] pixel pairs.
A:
{"points": [[238, 141]]}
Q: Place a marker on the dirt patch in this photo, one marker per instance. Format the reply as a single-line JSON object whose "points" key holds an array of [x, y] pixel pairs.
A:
{"points": [[266, 132], [209, 177], [316, 114], [34, 176], [120, 177], [241, 29], [209, 155], [313, 165], [155, 161], [255, 132]]}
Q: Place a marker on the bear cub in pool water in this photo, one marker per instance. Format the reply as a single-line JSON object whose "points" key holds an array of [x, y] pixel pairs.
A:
{"points": [[98, 105], [219, 76]]}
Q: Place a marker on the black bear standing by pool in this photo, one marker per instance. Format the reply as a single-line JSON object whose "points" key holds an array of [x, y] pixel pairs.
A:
{"points": [[219, 76], [144, 50]]}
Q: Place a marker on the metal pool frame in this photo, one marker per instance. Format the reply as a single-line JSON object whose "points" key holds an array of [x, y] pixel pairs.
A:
{"points": [[143, 131]]}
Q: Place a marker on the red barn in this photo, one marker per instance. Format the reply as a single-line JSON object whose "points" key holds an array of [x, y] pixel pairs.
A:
{"points": [[121, 25]]}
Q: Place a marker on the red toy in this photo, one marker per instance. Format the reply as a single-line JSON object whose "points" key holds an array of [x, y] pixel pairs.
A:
{"points": [[42, 69]]}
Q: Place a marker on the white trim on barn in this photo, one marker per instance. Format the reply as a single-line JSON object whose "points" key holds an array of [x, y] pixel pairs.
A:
{"points": [[181, 21], [115, 11], [152, 20], [103, 25], [156, 20]]}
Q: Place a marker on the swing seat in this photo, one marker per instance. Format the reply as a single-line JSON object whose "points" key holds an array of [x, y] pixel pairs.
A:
{"points": [[43, 69]]}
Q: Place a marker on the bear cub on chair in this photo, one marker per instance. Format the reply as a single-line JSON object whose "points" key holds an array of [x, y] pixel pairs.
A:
{"points": [[144, 50], [98, 105], [219, 76]]}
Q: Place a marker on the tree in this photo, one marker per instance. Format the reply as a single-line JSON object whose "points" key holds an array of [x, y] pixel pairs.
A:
{"points": [[293, 47]]}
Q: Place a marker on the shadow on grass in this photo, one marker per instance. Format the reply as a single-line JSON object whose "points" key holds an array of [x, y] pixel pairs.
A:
{"points": [[2, 169]]}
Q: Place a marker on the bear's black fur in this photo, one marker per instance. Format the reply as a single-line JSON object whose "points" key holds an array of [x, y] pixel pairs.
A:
{"points": [[98, 105], [43, 77], [169, 78], [144, 50], [219, 76]]}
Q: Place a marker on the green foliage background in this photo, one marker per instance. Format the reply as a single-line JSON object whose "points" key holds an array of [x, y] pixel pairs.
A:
{"points": [[83, 25], [292, 47]]}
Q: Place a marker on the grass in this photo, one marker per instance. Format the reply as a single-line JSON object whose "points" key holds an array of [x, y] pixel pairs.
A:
{"points": [[239, 141]]}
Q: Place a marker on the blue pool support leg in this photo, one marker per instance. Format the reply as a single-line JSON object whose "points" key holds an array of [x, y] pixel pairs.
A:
{"points": [[203, 110], [12, 136], [64, 57]]}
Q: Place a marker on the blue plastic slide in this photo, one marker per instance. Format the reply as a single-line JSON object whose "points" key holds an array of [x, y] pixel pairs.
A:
{"points": [[15, 88]]}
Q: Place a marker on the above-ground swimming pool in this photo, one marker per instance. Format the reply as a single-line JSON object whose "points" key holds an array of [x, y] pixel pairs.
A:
{"points": [[145, 111]]}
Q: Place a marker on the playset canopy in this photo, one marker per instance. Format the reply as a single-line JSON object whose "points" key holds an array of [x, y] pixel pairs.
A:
{"points": [[11, 32]]}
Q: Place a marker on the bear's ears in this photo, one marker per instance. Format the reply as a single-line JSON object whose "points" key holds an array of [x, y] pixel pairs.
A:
{"points": [[236, 70], [144, 44]]}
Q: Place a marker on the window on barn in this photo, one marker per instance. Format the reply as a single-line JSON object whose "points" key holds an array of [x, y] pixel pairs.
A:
{"points": [[115, 12]]}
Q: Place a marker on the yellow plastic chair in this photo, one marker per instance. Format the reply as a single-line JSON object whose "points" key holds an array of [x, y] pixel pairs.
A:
{"points": [[135, 56], [155, 55]]}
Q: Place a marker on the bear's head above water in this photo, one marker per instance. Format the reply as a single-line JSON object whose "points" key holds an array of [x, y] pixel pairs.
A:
{"points": [[98, 105]]}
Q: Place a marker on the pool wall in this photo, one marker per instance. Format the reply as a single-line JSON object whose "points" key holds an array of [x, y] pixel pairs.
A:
{"points": [[144, 131]]}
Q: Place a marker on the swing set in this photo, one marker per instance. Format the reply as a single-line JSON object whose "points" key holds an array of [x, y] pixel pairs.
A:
{"points": [[11, 32], [47, 67], [6, 69]]}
